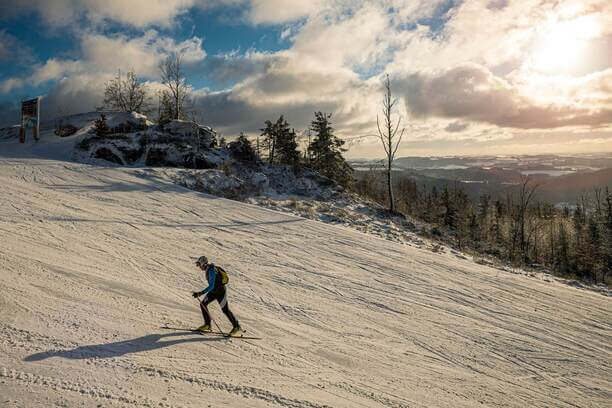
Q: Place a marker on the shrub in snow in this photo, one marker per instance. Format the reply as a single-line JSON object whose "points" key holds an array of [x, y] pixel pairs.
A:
{"points": [[65, 130], [101, 127], [8, 133]]}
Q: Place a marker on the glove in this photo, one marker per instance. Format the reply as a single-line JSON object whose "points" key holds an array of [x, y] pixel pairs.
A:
{"points": [[196, 294]]}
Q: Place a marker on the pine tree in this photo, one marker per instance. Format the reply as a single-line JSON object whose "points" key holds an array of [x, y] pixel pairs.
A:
{"points": [[281, 141], [326, 150], [243, 150], [484, 205], [269, 134], [593, 249], [100, 126], [450, 212], [286, 141], [563, 253], [580, 252]]}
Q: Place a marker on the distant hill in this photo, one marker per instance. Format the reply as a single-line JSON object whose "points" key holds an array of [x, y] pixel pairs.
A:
{"points": [[497, 181], [570, 187]]}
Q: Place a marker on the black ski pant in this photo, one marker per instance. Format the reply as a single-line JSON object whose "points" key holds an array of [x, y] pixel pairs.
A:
{"points": [[220, 295]]}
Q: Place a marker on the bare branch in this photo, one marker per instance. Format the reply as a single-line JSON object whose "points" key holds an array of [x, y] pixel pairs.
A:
{"points": [[398, 143], [171, 71], [126, 95]]}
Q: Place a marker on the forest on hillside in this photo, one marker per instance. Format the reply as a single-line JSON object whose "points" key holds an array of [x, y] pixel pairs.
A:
{"points": [[516, 227]]}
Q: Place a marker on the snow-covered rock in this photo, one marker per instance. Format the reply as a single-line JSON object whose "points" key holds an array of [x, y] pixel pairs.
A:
{"points": [[186, 129], [260, 180], [126, 122], [214, 182]]}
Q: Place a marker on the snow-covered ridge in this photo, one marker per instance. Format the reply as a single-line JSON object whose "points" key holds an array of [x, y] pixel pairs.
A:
{"points": [[136, 141]]}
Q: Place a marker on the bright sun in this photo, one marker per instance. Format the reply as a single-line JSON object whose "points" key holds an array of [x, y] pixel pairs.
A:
{"points": [[562, 45]]}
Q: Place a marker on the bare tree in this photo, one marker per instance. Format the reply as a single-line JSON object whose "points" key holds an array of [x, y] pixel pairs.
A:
{"points": [[388, 137], [520, 214], [126, 95], [172, 76]]}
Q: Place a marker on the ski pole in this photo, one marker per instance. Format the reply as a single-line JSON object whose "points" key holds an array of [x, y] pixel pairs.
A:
{"points": [[213, 320]]}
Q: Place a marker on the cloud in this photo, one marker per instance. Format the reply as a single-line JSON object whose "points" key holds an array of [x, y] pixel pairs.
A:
{"points": [[77, 93], [456, 127], [16, 55], [281, 11], [280, 85], [14, 51], [134, 13], [461, 79], [55, 69], [472, 92], [142, 53], [340, 40], [231, 68], [10, 84], [497, 4], [103, 55]]}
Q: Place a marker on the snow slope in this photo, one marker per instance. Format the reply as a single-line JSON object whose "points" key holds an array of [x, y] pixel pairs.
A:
{"points": [[93, 260]]}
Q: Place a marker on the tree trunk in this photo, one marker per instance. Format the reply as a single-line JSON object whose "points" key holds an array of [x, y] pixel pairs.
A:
{"points": [[390, 186]]}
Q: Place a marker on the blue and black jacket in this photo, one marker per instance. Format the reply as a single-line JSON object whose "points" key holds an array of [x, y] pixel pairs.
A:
{"points": [[214, 279]]}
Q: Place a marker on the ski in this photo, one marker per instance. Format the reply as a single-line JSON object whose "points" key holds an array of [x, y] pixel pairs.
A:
{"points": [[227, 336], [189, 329], [215, 333]]}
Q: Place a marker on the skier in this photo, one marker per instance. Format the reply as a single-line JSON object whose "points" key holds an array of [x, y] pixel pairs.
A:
{"points": [[215, 291]]}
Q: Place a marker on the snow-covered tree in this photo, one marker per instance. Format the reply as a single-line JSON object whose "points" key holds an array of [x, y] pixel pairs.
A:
{"points": [[126, 94]]}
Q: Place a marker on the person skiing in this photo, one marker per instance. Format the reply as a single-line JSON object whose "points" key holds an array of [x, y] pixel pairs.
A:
{"points": [[215, 291]]}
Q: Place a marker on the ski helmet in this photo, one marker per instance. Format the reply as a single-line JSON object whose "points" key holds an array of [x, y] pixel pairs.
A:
{"points": [[202, 261]]}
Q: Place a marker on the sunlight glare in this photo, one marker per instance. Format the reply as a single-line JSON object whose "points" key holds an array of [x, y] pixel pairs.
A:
{"points": [[563, 45]]}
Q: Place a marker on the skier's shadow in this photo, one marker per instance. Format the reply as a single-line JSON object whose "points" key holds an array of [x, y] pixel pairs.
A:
{"points": [[120, 348]]}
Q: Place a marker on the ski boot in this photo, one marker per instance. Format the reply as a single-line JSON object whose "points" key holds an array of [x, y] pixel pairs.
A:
{"points": [[204, 328], [236, 332]]}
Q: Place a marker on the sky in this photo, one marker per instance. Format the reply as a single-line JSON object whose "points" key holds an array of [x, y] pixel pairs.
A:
{"points": [[471, 77]]}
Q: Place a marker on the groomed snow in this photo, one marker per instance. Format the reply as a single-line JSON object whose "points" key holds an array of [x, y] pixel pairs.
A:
{"points": [[94, 259]]}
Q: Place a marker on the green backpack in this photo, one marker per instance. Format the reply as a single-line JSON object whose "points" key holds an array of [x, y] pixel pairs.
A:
{"points": [[224, 277]]}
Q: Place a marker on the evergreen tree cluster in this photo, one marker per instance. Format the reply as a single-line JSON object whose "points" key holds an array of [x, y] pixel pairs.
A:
{"points": [[324, 151], [281, 142], [573, 242]]}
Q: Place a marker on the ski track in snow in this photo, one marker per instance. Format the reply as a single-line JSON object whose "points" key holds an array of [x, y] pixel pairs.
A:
{"points": [[95, 259]]}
